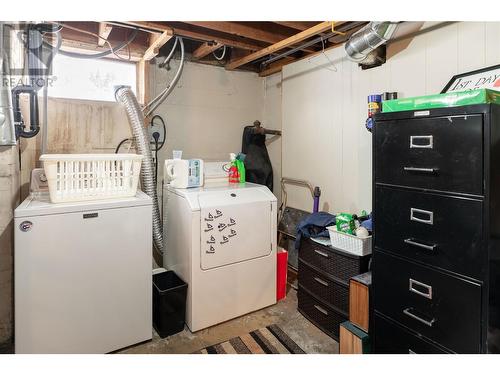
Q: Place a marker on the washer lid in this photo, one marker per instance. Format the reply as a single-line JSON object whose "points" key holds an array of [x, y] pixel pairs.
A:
{"points": [[235, 226], [41, 205]]}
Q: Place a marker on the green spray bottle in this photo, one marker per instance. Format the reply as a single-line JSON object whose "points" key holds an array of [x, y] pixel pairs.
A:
{"points": [[240, 164]]}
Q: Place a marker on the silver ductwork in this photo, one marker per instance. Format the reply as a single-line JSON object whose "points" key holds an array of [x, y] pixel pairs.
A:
{"points": [[7, 130], [368, 38], [126, 97]]}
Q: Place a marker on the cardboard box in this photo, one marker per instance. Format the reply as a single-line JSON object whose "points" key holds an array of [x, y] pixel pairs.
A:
{"points": [[452, 99]]}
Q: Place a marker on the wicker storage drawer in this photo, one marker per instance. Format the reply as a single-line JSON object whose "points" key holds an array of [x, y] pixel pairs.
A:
{"points": [[323, 287], [337, 264], [319, 313]]}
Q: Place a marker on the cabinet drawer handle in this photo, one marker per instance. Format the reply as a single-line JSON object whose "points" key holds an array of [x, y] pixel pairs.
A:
{"points": [[412, 242], [408, 312], [430, 216], [321, 310], [415, 283], [319, 281], [428, 138], [323, 254], [422, 170]]}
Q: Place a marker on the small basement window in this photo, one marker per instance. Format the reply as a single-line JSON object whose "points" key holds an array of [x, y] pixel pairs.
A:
{"points": [[90, 79]]}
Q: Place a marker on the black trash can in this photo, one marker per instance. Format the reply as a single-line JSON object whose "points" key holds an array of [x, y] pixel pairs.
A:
{"points": [[169, 303]]}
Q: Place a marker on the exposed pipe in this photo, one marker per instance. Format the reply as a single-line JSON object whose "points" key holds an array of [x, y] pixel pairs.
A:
{"points": [[368, 38], [169, 56], [126, 97], [45, 126], [155, 103]]}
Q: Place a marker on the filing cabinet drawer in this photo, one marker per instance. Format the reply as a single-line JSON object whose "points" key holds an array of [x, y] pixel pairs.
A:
{"points": [[440, 153], [323, 287], [394, 339], [444, 308], [438, 230]]}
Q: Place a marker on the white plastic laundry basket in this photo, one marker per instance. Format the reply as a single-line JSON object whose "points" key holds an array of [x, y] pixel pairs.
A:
{"points": [[350, 243], [84, 177]]}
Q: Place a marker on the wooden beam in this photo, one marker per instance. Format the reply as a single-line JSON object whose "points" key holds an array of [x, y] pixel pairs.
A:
{"points": [[154, 26], [319, 28], [142, 75], [225, 41], [205, 49], [156, 44], [181, 31], [244, 30], [296, 25], [78, 42], [104, 31], [241, 30], [277, 66]]}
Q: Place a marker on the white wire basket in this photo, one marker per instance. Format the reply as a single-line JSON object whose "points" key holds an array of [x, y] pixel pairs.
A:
{"points": [[85, 177], [350, 243]]}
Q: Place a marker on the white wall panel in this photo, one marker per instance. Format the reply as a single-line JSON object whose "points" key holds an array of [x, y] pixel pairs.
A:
{"points": [[324, 111]]}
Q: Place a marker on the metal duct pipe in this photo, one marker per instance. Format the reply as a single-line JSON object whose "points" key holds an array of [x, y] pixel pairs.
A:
{"points": [[126, 97], [368, 38]]}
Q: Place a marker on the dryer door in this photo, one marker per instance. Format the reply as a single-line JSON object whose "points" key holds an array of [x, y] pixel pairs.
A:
{"points": [[235, 226]]}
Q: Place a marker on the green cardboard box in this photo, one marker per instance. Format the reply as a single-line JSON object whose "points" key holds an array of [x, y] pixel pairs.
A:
{"points": [[452, 99]]}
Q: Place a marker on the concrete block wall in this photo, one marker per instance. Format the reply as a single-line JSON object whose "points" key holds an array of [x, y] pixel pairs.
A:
{"points": [[9, 199]]}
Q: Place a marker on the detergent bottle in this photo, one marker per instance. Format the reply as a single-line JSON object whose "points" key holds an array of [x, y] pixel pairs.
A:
{"points": [[234, 176]]}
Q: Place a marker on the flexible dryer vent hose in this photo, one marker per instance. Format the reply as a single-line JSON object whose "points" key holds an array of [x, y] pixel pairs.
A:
{"points": [[126, 97]]}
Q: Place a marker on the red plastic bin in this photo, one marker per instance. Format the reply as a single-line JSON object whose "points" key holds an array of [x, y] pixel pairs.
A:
{"points": [[281, 274]]}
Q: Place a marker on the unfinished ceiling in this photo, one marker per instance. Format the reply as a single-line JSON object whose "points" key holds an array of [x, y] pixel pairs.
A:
{"points": [[263, 47]]}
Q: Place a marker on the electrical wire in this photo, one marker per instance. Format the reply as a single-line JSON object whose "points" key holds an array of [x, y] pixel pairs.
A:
{"points": [[159, 96], [117, 150], [112, 50], [222, 56], [169, 56], [156, 160], [151, 123], [99, 37], [155, 103]]}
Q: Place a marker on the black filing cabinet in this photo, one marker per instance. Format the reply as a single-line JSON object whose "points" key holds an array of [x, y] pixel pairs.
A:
{"points": [[436, 206]]}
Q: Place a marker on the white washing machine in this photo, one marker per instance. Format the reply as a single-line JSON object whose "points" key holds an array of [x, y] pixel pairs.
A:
{"points": [[82, 274], [221, 240]]}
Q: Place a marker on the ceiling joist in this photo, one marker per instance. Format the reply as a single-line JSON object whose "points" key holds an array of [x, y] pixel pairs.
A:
{"points": [[241, 30], [245, 30], [156, 44], [297, 38], [104, 31], [301, 26], [205, 49], [185, 32]]}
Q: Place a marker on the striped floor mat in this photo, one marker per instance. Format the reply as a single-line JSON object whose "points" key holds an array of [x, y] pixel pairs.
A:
{"points": [[269, 340]]}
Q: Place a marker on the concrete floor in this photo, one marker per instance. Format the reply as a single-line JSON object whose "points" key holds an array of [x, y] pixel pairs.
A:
{"points": [[284, 313]]}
